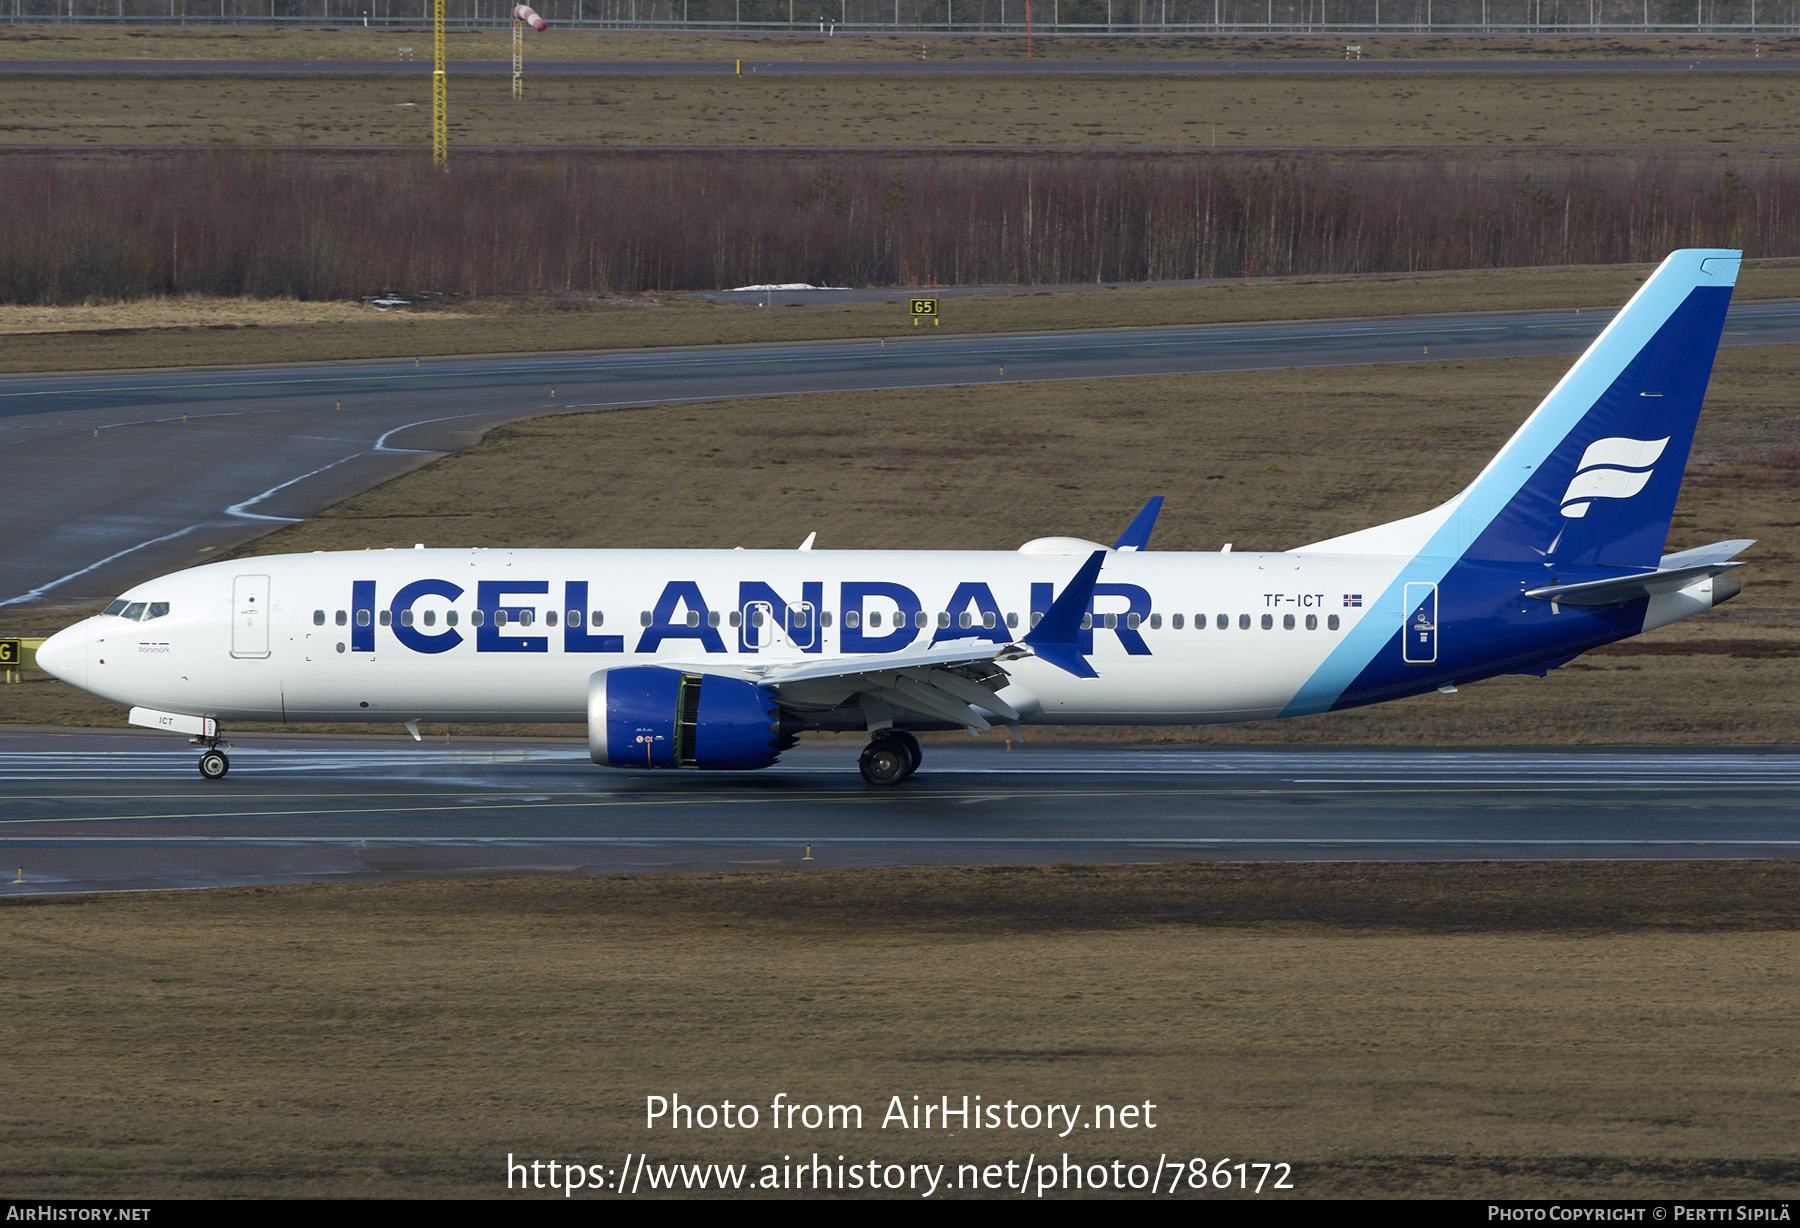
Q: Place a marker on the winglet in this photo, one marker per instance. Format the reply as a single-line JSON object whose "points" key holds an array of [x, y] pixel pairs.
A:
{"points": [[1056, 638], [1137, 533]]}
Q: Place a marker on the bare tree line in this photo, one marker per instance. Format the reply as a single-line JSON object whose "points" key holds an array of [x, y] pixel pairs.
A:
{"points": [[293, 225]]}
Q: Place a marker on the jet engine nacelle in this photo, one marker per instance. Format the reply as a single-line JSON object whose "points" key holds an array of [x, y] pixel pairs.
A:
{"points": [[651, 716]]}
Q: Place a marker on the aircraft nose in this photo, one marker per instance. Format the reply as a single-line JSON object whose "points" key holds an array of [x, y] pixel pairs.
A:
{"points": [[64, 655]]}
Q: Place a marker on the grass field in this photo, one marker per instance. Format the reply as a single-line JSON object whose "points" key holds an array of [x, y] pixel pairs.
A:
{"points": [[1266, 460], [1598, 111], [198, 331], [50, 42], [1539, 1030]]}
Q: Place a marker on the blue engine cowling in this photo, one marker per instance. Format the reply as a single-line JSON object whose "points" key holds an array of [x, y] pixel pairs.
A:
{"points": [[650, 716]]}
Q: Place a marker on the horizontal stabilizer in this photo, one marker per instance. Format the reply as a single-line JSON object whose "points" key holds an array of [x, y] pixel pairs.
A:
{"points": [[1690, 565], [1701, 556]]}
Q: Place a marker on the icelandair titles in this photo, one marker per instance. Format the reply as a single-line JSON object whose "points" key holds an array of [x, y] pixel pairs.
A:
{"points": [[682, 613]]}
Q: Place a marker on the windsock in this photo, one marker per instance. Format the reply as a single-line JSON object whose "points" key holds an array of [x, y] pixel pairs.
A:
{"points": [[528, 15]]}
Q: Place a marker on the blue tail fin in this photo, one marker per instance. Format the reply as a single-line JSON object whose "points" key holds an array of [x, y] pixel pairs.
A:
{"points": [[1592, 475]]}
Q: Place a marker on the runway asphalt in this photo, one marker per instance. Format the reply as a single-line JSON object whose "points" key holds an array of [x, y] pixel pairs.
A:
{"points": [[120, 476], [881, 68], [97, 812]]}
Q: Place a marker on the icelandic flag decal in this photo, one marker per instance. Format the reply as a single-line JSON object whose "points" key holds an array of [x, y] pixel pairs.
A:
{"points": [[1353, 601]]}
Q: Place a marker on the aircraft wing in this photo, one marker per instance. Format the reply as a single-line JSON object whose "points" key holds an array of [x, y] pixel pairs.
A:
{"points": [[959, 683]]}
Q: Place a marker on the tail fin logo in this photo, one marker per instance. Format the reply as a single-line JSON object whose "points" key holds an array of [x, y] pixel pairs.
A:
{"points": [[1611, 469]]}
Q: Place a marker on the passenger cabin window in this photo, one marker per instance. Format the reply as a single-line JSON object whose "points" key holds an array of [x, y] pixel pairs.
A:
{"points": [[387, 618], [1156, 621], [573, 618], [1174, 622], [549, 618], [1243, 622], [450, 618], [599, 618], [874, 618], [362, 618], [318, 618], [1012, 620], [1312, 622], [476, 618], [1287, 622], [430, 617], [527, 617], [1331, 622], [852, 619], [406, 618], [342, 618]]}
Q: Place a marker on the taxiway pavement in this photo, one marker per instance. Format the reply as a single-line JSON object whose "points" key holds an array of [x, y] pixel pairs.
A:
{"points": [[103, 811], [116, 477]]}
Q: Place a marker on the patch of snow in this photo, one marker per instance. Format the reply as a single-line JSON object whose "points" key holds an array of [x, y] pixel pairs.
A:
{"points": [[796, 285]]}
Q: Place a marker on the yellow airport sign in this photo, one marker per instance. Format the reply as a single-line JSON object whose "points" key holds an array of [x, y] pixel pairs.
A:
{"points": [[924, 306]]}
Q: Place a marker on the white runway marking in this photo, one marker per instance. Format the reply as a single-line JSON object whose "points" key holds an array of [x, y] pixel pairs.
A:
{"points": [[1513, 772]]}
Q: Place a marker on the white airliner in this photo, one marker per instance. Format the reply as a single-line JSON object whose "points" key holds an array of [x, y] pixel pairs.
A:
{"points": [[718, 658]]}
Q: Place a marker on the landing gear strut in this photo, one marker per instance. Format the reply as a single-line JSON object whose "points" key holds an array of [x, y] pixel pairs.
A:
{"points": [[213, 763], [890, 757]]}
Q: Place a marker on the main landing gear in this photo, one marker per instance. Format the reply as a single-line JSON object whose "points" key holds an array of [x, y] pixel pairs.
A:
{"points": [[890, 757], [213, 763]]}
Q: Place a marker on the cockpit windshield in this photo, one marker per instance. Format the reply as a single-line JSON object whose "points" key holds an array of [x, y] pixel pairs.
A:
{"points": [[138, 611]]}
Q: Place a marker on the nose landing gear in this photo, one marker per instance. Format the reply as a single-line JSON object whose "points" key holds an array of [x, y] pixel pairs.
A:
{"points": [[890, 757], [213, 763]]}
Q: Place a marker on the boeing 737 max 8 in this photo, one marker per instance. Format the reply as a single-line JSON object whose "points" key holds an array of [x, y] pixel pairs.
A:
{"points": [[718, 658]]}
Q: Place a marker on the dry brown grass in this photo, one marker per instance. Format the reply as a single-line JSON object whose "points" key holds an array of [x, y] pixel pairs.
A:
{"points": [[180, 314], [250, 43], [1268, 460], [1529, 1030], [185, 332], [1581, 111]]}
